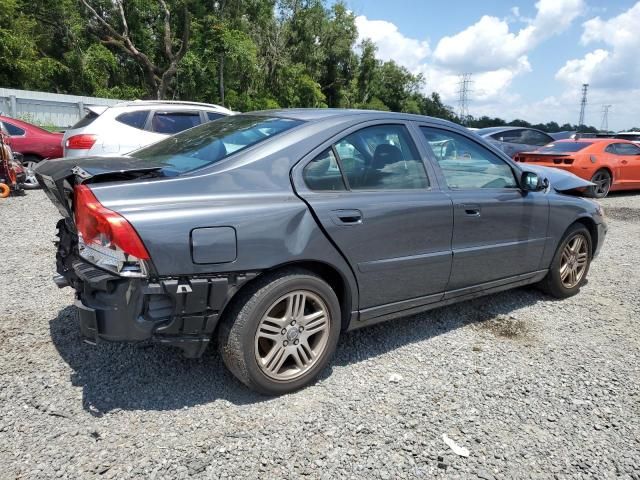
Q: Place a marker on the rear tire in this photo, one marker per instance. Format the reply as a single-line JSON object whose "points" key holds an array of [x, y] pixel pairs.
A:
{"points": [[281, 331], [602, 179], [29, 162], [570, 264]]}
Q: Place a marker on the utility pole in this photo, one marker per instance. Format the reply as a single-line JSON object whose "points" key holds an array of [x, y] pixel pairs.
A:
{"points": [[463, 97], [604, 126], [583, 104]]}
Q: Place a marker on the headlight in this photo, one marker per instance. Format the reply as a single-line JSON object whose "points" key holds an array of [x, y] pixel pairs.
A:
{"points": [[600, 210]]}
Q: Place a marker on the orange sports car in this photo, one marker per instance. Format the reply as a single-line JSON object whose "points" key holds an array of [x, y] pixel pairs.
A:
{"points": [[609, 163]]}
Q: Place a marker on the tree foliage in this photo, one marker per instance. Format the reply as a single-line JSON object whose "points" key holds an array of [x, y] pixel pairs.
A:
{"points": [[244, 54]]}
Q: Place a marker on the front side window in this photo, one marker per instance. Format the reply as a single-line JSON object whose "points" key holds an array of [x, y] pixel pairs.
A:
{"points": [[509, 136], [627, 149], [174, 122], [465, 164], [533, 137], [136, 119], [382, 157], [211, 142], [13, 130]]}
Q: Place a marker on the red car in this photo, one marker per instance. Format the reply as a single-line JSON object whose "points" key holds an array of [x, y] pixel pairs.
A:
{"points": [[610, 163], [34, 143]]}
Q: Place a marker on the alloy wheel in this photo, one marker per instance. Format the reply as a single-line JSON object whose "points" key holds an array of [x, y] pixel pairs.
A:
{"points": [[292, 335], [574, 261], [602, 181]]}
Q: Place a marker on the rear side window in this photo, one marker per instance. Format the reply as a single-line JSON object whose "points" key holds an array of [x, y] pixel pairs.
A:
{"points": [[214, 116], [174, 122], [382, 157], [136, 119], [564, 147], [323, 173], [211, 142], [13, 130], [86, 120]]}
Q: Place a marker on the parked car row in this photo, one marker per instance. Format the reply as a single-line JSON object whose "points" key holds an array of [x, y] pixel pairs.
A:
{"points": [[611, 163], [114, 130]]}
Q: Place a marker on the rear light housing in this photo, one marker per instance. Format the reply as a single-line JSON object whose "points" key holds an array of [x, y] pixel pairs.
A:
{"points": [[83, 141], [106, 238]]}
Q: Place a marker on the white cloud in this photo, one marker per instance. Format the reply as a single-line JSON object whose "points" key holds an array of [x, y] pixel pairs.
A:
{"points": [[497, 55], [393, 45], [489, 44], [614, 67]]}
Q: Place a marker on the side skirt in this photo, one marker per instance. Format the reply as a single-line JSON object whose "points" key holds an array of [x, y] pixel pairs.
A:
{"points": [[374, 315]]}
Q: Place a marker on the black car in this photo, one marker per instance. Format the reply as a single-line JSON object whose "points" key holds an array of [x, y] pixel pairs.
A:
{"points": [[278, 230]]}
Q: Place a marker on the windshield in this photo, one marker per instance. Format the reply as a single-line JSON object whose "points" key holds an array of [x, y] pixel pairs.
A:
{"points": [[560, 147], [211, 142]]}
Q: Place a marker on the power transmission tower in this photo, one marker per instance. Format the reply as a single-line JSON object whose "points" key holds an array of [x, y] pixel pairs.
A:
{"points": [[463, 97], [583, 104], [604, 126]]}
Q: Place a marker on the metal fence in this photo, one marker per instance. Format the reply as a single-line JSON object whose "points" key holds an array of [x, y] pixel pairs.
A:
{"points": [[43, 108]]}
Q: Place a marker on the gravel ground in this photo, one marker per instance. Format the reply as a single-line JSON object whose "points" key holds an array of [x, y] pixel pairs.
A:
{"points": [[532, 387]]}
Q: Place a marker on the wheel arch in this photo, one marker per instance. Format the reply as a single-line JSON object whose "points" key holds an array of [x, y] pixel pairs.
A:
{"points": [[329, 273], [591, 226]]}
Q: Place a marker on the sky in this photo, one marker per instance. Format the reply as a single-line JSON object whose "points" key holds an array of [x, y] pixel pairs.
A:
{"points": [[528, 60]]}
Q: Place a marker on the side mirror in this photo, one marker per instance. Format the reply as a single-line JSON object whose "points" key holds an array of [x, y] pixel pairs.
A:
{"points": [[531, 182]]}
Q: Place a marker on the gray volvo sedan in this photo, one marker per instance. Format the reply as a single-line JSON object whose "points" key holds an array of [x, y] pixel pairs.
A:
{"points": [[277, 230]]}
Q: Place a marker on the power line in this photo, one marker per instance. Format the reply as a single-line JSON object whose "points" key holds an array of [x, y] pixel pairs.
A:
{"points": [[583, 104], [604, 125], [463, 97]]}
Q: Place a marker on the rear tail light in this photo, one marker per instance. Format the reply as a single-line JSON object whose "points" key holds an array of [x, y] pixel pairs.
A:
{"points": [[568, 161], [108, 237], [84, 141]]}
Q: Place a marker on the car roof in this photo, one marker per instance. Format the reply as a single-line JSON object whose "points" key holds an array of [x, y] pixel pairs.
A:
{"points": [[171, 104], [319, 114], [490, 130], [593, 140]]}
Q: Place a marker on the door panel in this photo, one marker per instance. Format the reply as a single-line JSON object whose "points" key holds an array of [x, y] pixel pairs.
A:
{"points": [[400, 248], [628, 159], [370, 192], [499, 231], [506, 237]]}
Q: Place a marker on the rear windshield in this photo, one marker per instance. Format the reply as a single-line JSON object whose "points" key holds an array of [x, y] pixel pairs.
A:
{"points": [[211, 142], [560, 147], [86, 120]]}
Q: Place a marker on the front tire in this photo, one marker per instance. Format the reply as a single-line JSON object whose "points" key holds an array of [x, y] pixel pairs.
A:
{"points": [[570, 264], [281, 331]]}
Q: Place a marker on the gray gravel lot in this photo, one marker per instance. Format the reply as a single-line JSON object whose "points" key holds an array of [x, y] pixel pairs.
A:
{"points": [[534, 388]]}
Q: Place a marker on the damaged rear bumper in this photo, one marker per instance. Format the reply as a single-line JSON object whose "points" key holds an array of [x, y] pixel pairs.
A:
{"points": [[182, 312]]}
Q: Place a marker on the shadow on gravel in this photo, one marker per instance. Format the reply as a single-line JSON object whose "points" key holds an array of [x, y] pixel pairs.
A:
{"points": [[153, 377], [492, 313], [142, 376]]}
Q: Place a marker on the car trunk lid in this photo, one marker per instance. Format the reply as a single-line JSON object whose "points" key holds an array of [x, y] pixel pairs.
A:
{"points": [[58, 177]]}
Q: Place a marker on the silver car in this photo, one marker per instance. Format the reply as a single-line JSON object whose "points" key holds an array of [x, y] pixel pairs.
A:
{"points": [[128, 126]]}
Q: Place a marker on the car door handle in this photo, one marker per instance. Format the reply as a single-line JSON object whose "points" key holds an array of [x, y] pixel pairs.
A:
{"points": [[624, 162], [346, 217], [470, 210]]}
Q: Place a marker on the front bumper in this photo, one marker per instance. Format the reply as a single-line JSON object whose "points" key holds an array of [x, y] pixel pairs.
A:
{"points": [[602, 233]]}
